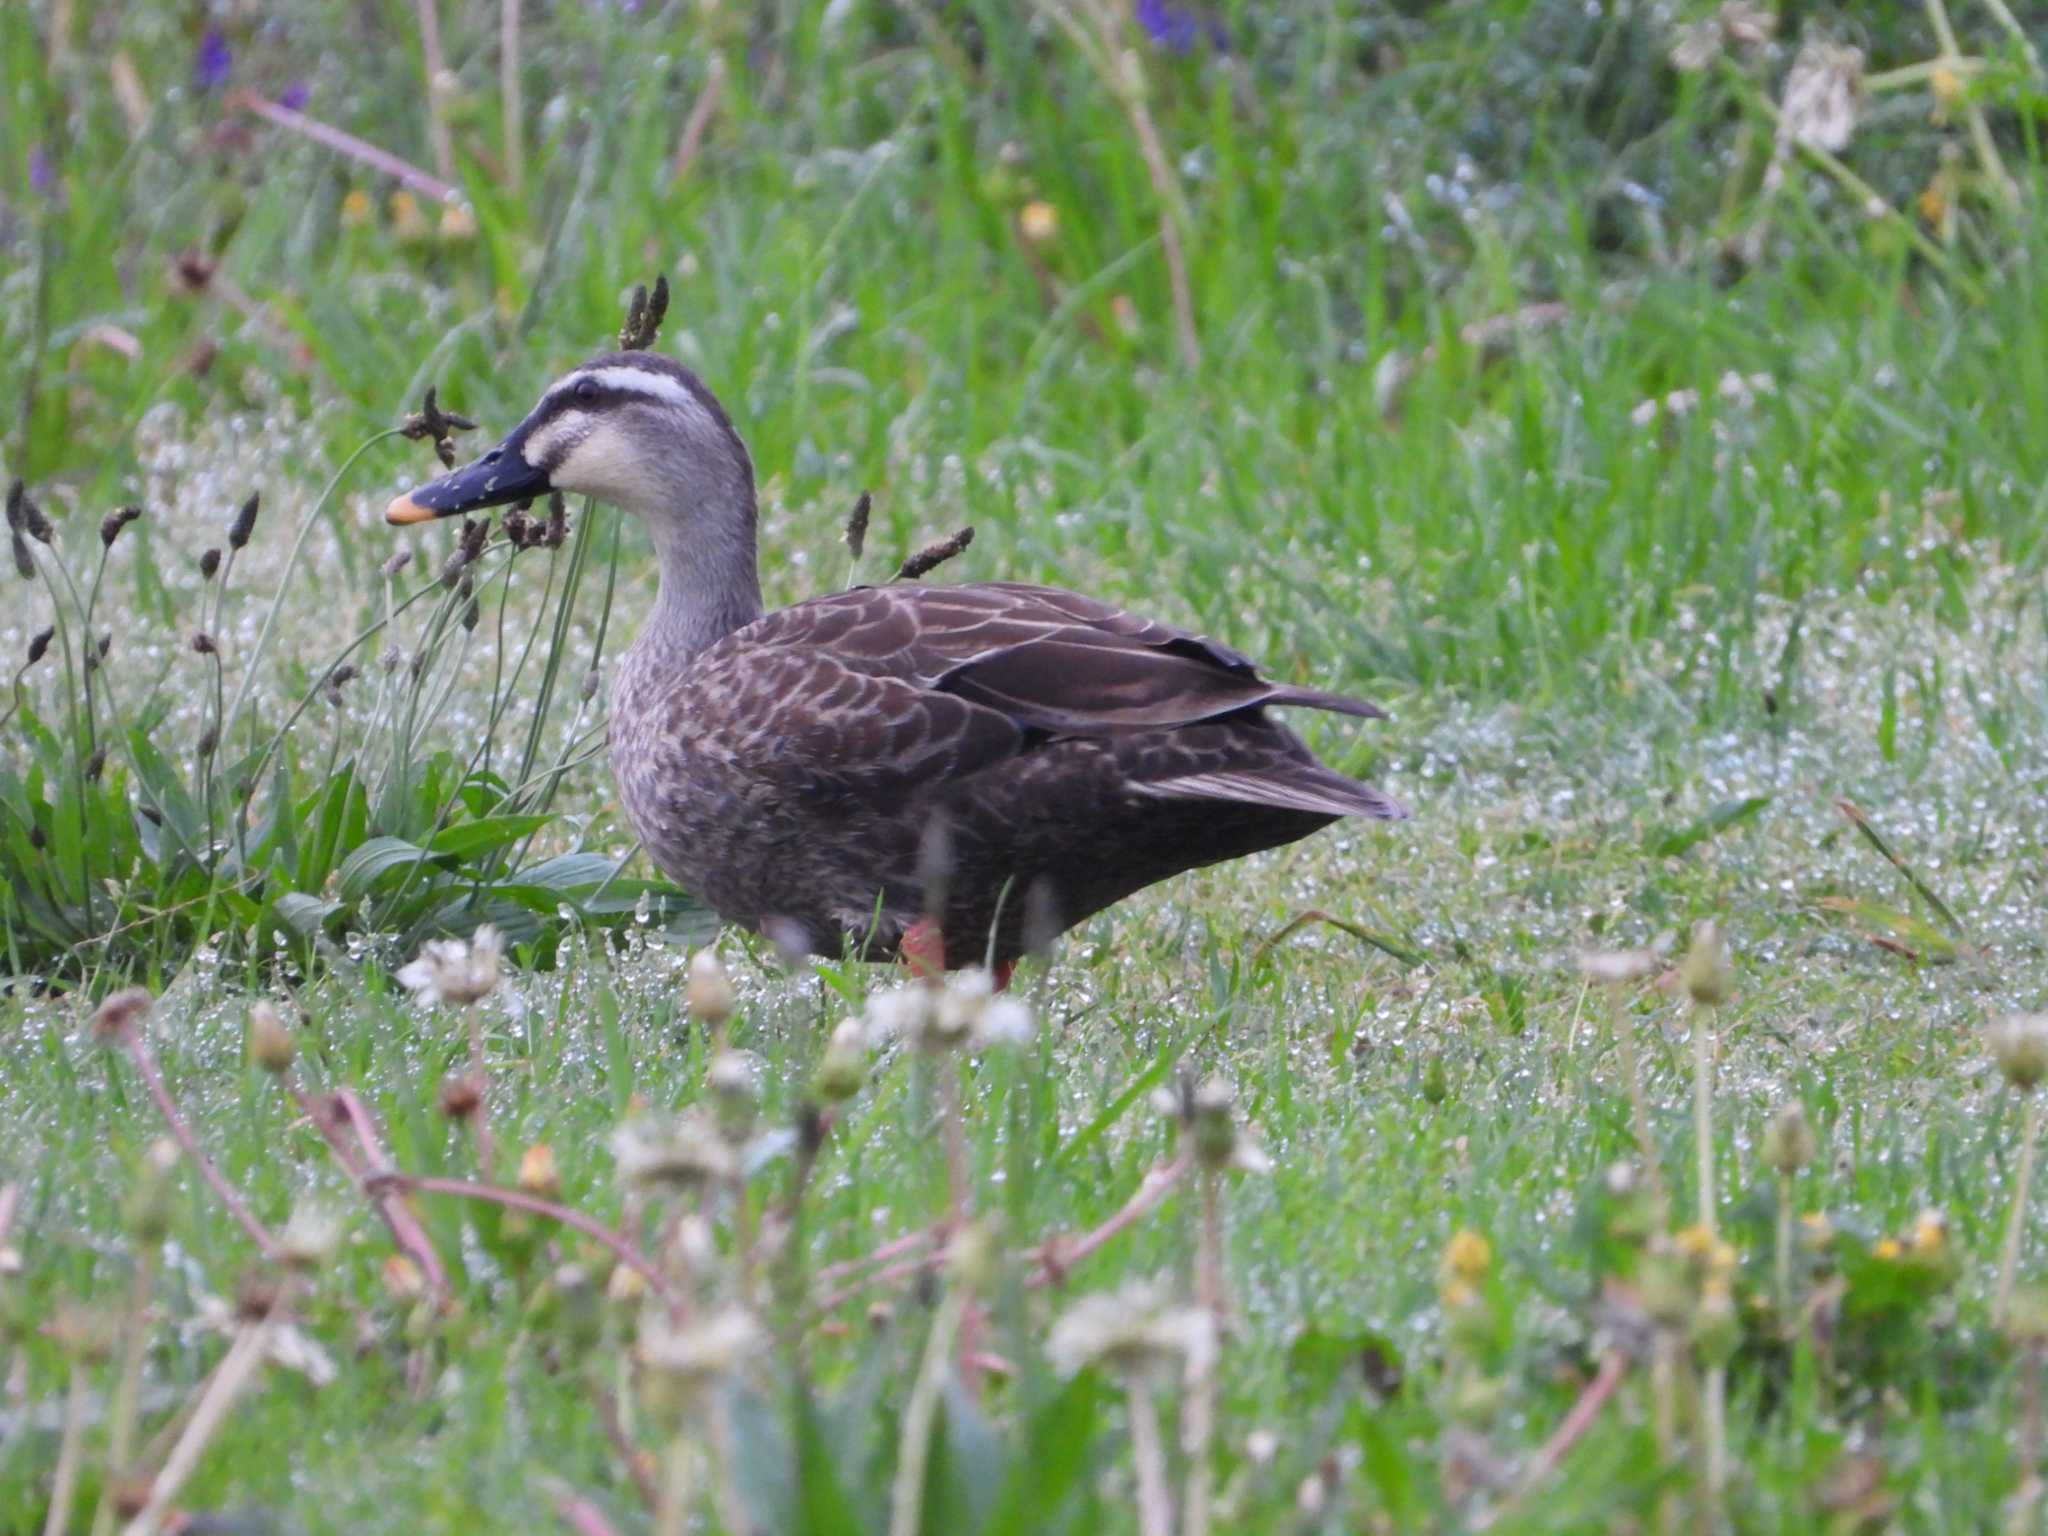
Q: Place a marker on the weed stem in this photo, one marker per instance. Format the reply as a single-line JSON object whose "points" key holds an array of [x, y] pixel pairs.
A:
{"points": [[906, 1499], [145, 1064], [2008, 1264], [1155, 1504], [1200, 1423], [1638, 1102], [1703, 1107], [244, 1358], [70, 1450]]}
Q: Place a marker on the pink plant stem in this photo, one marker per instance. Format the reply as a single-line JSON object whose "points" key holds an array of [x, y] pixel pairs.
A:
{"points": [[1055, 1258], [1568, 1433], [405, 1227], [520, 1200], [10, 1201], [145, 1064], [888, 1274], [888, 1251], [580, 1515], [638, 1463], [699, 121], [359, 150], [486, 1144]]}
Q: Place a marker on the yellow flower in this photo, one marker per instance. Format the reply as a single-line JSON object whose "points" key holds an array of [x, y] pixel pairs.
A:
{"points": [[1039, 222], [1467, 1257], [457, 223], [357, 209], [1695, 1241], [1930, 1233], [1887, 1248], [407, 222], [537, 1172], [1947, 86]]}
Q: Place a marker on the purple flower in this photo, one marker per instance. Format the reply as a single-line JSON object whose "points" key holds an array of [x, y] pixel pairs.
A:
{"points": [[1177, 28], [42, 175], [210, 70], [295, 96]]}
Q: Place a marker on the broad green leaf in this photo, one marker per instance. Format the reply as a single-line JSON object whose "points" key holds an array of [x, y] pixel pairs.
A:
{"points": [[378, 857]]}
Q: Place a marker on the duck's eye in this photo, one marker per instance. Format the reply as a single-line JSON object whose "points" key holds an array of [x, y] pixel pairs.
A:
{"points": [[586, 391]]}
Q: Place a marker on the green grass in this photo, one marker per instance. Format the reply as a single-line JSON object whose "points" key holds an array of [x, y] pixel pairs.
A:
{"points": [[1634, 663]]}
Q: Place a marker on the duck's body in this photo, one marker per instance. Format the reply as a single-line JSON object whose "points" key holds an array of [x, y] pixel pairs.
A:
{"points": [[793, 772], [1015, 757]]}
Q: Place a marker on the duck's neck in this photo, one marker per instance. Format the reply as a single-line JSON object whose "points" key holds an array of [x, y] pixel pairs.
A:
{"points": [[710, 582]]}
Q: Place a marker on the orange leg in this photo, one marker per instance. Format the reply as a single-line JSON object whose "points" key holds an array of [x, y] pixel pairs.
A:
{"points": [[924, 950]]}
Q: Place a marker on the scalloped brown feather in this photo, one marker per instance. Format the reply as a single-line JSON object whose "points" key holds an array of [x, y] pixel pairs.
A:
{"points": [[791, 772]]}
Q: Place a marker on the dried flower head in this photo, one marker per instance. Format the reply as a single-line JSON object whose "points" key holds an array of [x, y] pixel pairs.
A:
{"points": [[1789, 1144], [39, 643], [644, 316], [2019, 1045], [24, 562], [1708, 970], [149, 1200], [1739, 26], [708, 993], [460, 1095], [430, 421], [1618, 967], [310, 1235], [857, 524], [270, 1043], [734, 1084], [1823, 95], [340, 677], [683, 1152], [932, 556], [202, 643], [24, 515], [844, 1067], [456, 972], [85, 1333], [965, 1012], [395, 564], [209, 563], [690, 1359], [1207, 1112], [1137, 1331], [244, 523], [112, 524], [120, 1013]]}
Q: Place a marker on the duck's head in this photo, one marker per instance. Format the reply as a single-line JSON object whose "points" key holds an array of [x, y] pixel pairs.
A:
{"points": [[629, 428]]}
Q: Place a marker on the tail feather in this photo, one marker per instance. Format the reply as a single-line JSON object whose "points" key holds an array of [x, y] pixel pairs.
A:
{"points": [[1318, 698], [1287, 786]]}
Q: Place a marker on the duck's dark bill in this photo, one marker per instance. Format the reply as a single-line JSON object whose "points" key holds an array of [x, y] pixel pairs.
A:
{"points": [[497, 478]]}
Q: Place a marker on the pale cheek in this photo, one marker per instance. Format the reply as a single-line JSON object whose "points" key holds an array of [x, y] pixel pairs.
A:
{"points": [[597, 467]]}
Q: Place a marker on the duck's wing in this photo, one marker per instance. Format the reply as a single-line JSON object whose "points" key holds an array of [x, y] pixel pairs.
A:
{"points": [[906, 685], [1049, 661]]}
